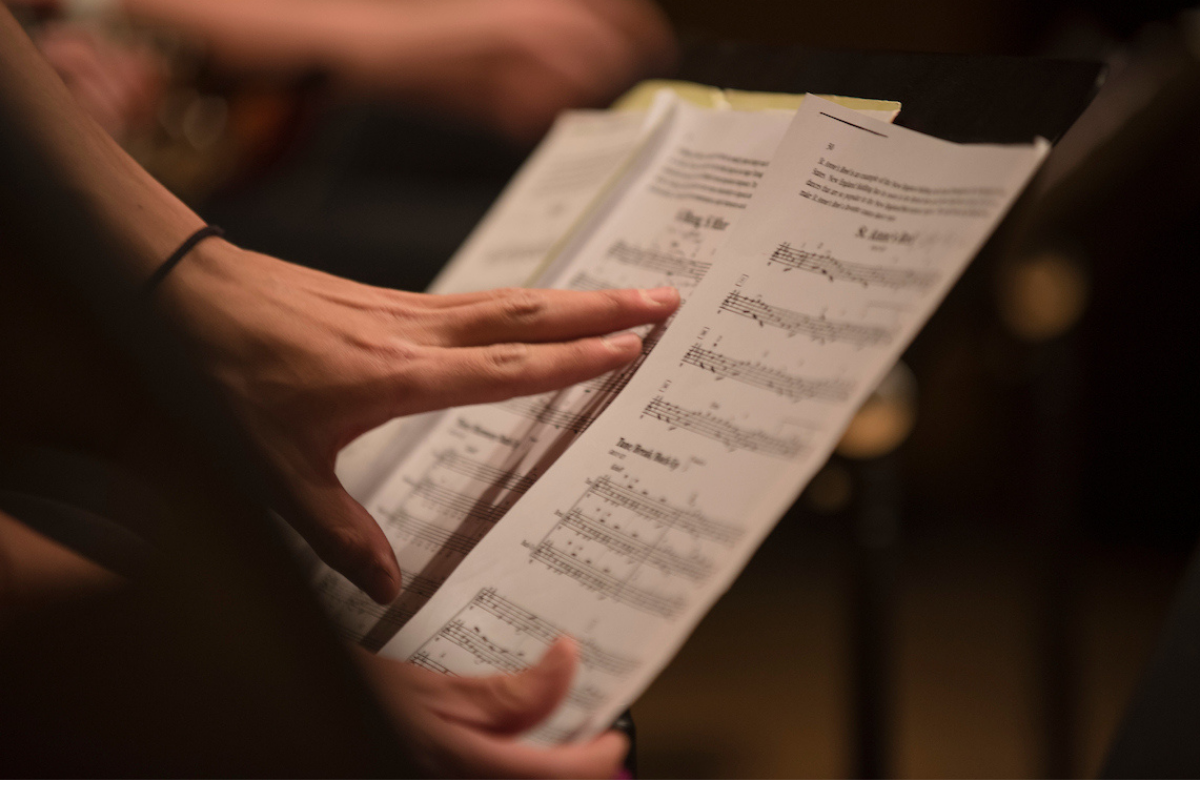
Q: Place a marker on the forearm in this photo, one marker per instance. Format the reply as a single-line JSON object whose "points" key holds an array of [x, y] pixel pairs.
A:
{"points": [[296, 36], [147, 221]]}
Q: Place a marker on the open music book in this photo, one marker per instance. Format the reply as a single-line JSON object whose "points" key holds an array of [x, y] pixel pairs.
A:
{"points": [[809, 245]]}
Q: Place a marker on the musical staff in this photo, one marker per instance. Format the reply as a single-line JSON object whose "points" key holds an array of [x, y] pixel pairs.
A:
{"points": [[475, 642], [695, 523], [458, 503], [505, 644], [667, 561], [815, 327], [466, 502], [542, 410], [489, 475], [526, 622], [583, 281], [428, 535], [836, 269], [613, 535], [654, 260], [585, 697], [616, 381], [770, 379], [597, 580], [723, 431], [423, 660]]}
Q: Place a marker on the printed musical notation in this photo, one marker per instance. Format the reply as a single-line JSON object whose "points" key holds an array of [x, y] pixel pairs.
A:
{"points": [[423, 659], [457, 503], [489, 475], [426, 534], [494, 631], [613, 383], [599, 580], [542, 409], [723, 431], [695, 523], [836, 269], [815, 327], [519, 623], [412, 519], [630, 546], [583, 281], [633, 549], [654, 260], [770, 379]]}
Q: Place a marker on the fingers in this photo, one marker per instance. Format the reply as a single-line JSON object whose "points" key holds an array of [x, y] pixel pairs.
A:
{"points": [[504, 704], [347, 538], [437, 378], [482, 715], [550, 315], [643, 23]]}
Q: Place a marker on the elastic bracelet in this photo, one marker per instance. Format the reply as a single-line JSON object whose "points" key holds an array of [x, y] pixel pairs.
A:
{"points": [[171, 262]]}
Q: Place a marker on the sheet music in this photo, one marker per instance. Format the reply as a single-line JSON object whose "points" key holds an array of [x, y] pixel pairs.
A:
{"points": [[583, 152], [471, 465], [580, 160], [661, 225], [850, 241]]}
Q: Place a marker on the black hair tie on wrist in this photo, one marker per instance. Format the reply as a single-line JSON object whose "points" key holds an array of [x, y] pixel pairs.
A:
{"points": [[199, 235]]}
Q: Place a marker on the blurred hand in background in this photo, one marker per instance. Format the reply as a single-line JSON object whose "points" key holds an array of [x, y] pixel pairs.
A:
{"points": [[511, 65], [118, 84]]}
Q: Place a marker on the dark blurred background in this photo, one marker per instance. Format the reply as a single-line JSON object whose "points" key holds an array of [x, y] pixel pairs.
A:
{"points": [[972, 586]]}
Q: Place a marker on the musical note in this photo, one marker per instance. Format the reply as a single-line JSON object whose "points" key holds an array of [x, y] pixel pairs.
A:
{"points": [[771, 379], [475, 642], [526, 622], [654, 260], [423, 660], [694, 522], [835, 269], [597, 580], [666, 561], [497, 632], [815, 327], [612, 534], [723, 431]]}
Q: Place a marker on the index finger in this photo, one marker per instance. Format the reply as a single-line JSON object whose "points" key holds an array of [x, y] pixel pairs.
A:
{"points": [[544, 316]]}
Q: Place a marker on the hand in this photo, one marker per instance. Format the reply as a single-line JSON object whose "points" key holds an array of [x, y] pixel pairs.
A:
{"points": [[117, 85], [468, 727], [513, 64], [310, 361]]}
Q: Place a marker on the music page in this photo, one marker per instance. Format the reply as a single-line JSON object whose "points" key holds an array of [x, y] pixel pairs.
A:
{"points": [[473, 464], [851, 238], [553, 199], [582, 153]]}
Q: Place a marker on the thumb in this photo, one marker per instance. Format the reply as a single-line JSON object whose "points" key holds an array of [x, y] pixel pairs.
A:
{"points": [[508, 704], [346, 537]]}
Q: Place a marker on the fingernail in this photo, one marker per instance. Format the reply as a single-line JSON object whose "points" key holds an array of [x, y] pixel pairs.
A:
{"points": [[663, 295], [624, 342], [387, 586]]}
